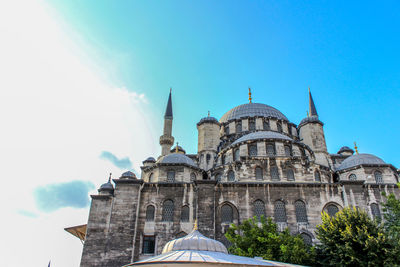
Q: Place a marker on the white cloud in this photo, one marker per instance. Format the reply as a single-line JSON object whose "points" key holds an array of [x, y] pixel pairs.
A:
{"points": [[57, 115]]}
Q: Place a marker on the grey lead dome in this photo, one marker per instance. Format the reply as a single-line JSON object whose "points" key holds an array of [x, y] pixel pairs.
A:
{"points": [[261, 135], [176, 158], [252, 110], [360, 159]]}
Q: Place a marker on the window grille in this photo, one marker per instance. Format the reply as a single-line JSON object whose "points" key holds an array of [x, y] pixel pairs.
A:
{"points": [[252, 125], [332, 210], [275, 173], [259, 208], [218, 177], [227, 129], [378, 177], [236, 154], [259, 173], [266, 125], [301, 212], [317, 176], [148, 244], [375, 211], [306, 238], [208, 158], [288, 151], [151, 178], [279, 126], [150, 213], [168, 211], [290, 175], [271, 150], [185, 214], [280, 212], [171, 176], [253, 150], [231, 176], [239, 127], [353, 177], [192, 177], [226, 214]]}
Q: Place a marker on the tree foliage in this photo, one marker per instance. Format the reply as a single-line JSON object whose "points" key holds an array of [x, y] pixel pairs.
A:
{"points": [[351, 238], [259, 237], [392, 222]]}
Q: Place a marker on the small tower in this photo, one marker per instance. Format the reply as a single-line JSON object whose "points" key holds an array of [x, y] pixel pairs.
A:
{"points": [[311, 133], [208, 140], [167, 140]]}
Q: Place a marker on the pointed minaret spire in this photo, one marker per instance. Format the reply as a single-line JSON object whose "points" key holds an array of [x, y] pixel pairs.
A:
{"points": [[167, 140], [313, 110], [168, 111]]}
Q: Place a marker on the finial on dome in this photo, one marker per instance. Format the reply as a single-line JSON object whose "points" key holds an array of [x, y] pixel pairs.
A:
{"points": [[195, 227], [176, 150], [250, 95], [355, 147]]}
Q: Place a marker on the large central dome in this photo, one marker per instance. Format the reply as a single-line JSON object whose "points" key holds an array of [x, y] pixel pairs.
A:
{"points": [[252, 110]]}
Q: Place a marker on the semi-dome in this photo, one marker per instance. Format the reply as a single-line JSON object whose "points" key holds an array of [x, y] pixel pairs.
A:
{"points": [[360, 159], [195, 241], [128, 175], [262, 135], [252, 110], [176, 158]]}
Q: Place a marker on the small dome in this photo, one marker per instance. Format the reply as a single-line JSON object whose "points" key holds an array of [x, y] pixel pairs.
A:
{"points": [[128, 175], [176, 158], [208, 120], [149, 159], [195, 241], [345, 149], [180, 149], [252, 110], [360, 159], [262, 135], [310, 119], [106, 187]]}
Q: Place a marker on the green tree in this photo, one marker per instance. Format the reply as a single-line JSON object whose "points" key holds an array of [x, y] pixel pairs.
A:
{"points": [[351, 238], [259, 237], [392, 222]]}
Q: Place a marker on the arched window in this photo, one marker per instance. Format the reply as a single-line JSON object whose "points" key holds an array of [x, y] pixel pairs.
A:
{"points": [[253, 150], [375, 211], [236, 154], [208, 158], [259, 208], [288, 151], [270, 150], [266, 125], [352, 177], [280, 212], [301, 212], [378, 177], [306, 238], [185, 214], [274, 173], [227, 129], [231, 176], [238, 127], [317, 176], [252, 125], [171, 176], [332, 210], [192, 177], [218, 177], [150, 213], [226, 214], [290, 175], [168, 211], [151, 178], [259, 173], [279, 126]]}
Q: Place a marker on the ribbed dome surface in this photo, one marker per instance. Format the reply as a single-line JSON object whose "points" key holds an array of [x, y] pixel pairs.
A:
{"points": [[360, 159], [176, 158], [252, 110], [195, 241], [261, 135]]}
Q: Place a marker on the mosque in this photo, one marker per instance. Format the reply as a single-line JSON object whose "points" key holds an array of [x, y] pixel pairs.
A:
{"points": [[253, 161]]}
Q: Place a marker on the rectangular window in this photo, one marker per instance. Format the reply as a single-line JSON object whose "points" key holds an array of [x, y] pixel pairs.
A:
{"points": [[149, 244]]}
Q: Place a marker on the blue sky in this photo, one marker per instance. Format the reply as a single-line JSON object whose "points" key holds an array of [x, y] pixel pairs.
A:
{"points": [[210, 52]]}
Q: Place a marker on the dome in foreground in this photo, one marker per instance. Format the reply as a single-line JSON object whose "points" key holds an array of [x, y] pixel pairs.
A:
{"points": [[176, 158], [360, 159], [252, 110], [195, 241]]}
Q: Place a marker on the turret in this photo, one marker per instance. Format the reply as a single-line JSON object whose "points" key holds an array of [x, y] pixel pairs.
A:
{"points": [[311, 133], [208, 140], [167, 140]]}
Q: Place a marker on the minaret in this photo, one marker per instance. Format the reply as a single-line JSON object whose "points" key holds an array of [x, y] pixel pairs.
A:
{"points": [[311, 133], [167, 140]]}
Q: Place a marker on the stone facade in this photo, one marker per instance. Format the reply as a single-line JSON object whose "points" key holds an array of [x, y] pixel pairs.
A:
{"points": [[251, 162]]}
